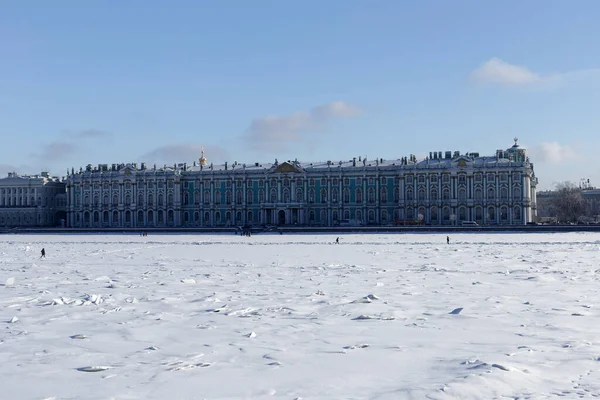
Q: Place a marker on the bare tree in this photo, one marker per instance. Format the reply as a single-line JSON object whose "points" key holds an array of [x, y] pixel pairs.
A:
{"points": [[568, 203]]}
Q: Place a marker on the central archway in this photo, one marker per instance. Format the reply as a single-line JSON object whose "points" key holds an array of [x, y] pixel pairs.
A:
{"points": [[281, 217]]}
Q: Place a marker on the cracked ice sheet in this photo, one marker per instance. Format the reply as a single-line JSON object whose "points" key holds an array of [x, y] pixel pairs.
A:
{"points": [[297, 316]]}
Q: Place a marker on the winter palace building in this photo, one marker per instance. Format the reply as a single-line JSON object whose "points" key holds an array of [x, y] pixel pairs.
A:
{"points": [[442, 189]]}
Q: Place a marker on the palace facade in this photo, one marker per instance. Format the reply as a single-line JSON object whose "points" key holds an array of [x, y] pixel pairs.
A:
{"points": [[32, 200], [442, 189]]}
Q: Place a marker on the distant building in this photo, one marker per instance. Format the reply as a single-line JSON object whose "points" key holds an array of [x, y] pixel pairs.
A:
{"points": [[443, 189], [32, 201]]}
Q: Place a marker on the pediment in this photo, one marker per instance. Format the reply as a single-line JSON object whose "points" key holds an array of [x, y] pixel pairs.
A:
{"points": [[286, 167], [462, 161]]}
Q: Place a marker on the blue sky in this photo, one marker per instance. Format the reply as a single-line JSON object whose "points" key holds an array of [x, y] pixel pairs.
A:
{"points": [[118, 81]]}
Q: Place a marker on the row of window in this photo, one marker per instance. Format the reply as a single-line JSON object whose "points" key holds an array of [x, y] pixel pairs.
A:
{"points": [[323, 198], [493, 214]]}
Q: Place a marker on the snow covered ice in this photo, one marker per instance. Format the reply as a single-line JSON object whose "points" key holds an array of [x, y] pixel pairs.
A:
{"points": [[378, 316]]}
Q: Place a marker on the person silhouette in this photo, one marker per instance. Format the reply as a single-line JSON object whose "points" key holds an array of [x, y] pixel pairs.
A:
{"points": [[43, 253], [337, 241], [448, 239]]}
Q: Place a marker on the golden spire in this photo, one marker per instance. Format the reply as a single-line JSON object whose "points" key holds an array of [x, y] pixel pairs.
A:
{"points": [[202, 159]]}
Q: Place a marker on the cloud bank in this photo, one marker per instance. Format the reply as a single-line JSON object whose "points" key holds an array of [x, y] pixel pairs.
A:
{"points": [[498, 72], [275, 132], [552, 153]]}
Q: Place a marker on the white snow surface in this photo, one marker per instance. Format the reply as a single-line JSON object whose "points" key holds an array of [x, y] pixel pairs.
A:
{"points": [[378, 316]]}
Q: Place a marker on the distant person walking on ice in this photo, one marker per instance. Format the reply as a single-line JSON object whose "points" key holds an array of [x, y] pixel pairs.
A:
{"points": [[337, 241], [448, 239], [43, 253]]}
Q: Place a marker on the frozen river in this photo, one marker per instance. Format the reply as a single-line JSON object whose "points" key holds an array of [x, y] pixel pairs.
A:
{"points": [[378, 316]]}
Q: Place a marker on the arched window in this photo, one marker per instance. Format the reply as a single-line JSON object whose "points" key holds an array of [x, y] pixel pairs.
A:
{"points": [[384, 216], [358, 196], [383, 194], [106, 200], [196, 198], [250, 217], [115, 217], [517, 213], [409, 195], [161, 217], [446, 214], [358, 214], [105, 217], [516, 193], [504, 193], [311, 216], [434, 195], [323, 195], [491, 214], [346, 214], [421, 194], [150, 200], [286, 195], [170, 199], [127, 199], [462, 214], [323, 217], [228, 197], [503, 214], [96, 217], [96, 201], [228, 217], [491, 194], [434, 215], [186, 217], [445, 194], [462, 194], [239, 197], [478, 194], [217, 197], [396, 195], [334, 216], [371, 216], [150, 218], [206, 217], [217, 217], [311, 195], [273, 195], [140, 217], [299, 195], [161, 200], [196, 217], [249, 197], [346, 196], [261, 196], [186, 199], [334, 195], [371, 195], [140, 199], [206, 197]]}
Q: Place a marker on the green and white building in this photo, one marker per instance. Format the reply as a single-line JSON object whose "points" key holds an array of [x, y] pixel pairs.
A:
{"points": [[442, 189]]}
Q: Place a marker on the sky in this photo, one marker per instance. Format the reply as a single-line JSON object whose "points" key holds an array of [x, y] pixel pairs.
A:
{"points": [[251, 81]]}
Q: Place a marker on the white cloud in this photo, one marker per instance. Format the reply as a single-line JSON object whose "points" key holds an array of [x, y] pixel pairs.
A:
{"points": [[499, 72], [552, 153], [184, 152], [275, 132]]}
